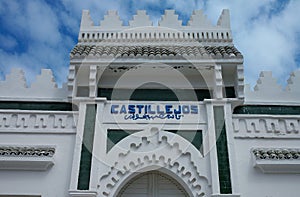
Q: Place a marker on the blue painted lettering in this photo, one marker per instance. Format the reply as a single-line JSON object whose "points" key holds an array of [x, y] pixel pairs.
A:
{"points": [[194, 109], [113, 109], [123, 110], [168, 109], [131, 109], [185, 109]]}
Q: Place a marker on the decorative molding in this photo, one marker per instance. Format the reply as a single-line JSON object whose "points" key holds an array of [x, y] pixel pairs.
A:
{"points": [[44, 88], [26, 157], [276, 154], [277, 160], [218, 89], [240, 81], [72, 81], [19, 151], [31, 121], [163, 51], [225, 195], [93, 82], [160, 149], [266, 126], [82, 193]]}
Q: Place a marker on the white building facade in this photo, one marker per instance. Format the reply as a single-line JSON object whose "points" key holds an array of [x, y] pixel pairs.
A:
{"points": [[150, 111]]}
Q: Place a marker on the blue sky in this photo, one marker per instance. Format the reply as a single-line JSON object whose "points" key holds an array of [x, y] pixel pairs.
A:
{"points": [[39, 34]]}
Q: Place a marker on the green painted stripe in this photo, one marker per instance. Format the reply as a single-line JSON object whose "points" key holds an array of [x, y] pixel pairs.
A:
{"points": [[116, 135], [87, 148], [49, 106], [154, 94], [267, 109], [222, 151], [193, 136]]}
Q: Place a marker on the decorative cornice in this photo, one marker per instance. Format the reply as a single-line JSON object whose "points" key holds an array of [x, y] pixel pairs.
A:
{"points": [[139, 51], [37, 121], [276, 154], [26, 151], [34, 158], [266, 126], [277, 160]]}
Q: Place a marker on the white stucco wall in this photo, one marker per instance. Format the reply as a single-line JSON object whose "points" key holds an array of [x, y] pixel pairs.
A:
{"points": [[252, 181], [53, 182]]}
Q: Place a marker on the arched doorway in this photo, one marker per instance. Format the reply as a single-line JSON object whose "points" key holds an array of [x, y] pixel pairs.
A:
{"points": [[154, 184]]}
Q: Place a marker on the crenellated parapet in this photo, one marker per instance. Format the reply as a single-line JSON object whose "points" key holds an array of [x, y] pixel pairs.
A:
{"points": [[198, 28], [14, 87], [268, 91]]}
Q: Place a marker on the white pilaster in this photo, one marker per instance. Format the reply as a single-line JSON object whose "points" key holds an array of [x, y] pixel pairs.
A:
{"points": [[77, 148], [93, 82], [218, 87], [72, 81], [211, 149], [231, 149], [99, 147], [239, 81]]}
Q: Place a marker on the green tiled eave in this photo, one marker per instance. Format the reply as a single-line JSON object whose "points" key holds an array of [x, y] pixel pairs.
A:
{"points": [[267, 109]]}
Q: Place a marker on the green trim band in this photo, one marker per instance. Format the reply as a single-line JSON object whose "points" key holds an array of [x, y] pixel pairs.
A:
{"points": [[267, 109], [154, 94], [48, 106], [87, 148], [193, 136], [114, 136], [222, 151]]}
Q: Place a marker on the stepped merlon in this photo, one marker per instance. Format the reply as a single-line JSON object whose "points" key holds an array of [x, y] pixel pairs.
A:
{"points": [[169, 27]]}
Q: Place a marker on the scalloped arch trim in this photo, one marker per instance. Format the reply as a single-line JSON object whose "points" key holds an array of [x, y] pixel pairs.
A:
{"points": [[146, 150]]}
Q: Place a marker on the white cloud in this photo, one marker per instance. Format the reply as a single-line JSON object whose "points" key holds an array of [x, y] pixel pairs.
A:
{"points": [[42, 23], [42, 44], [265, 36], [268, 39]]}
